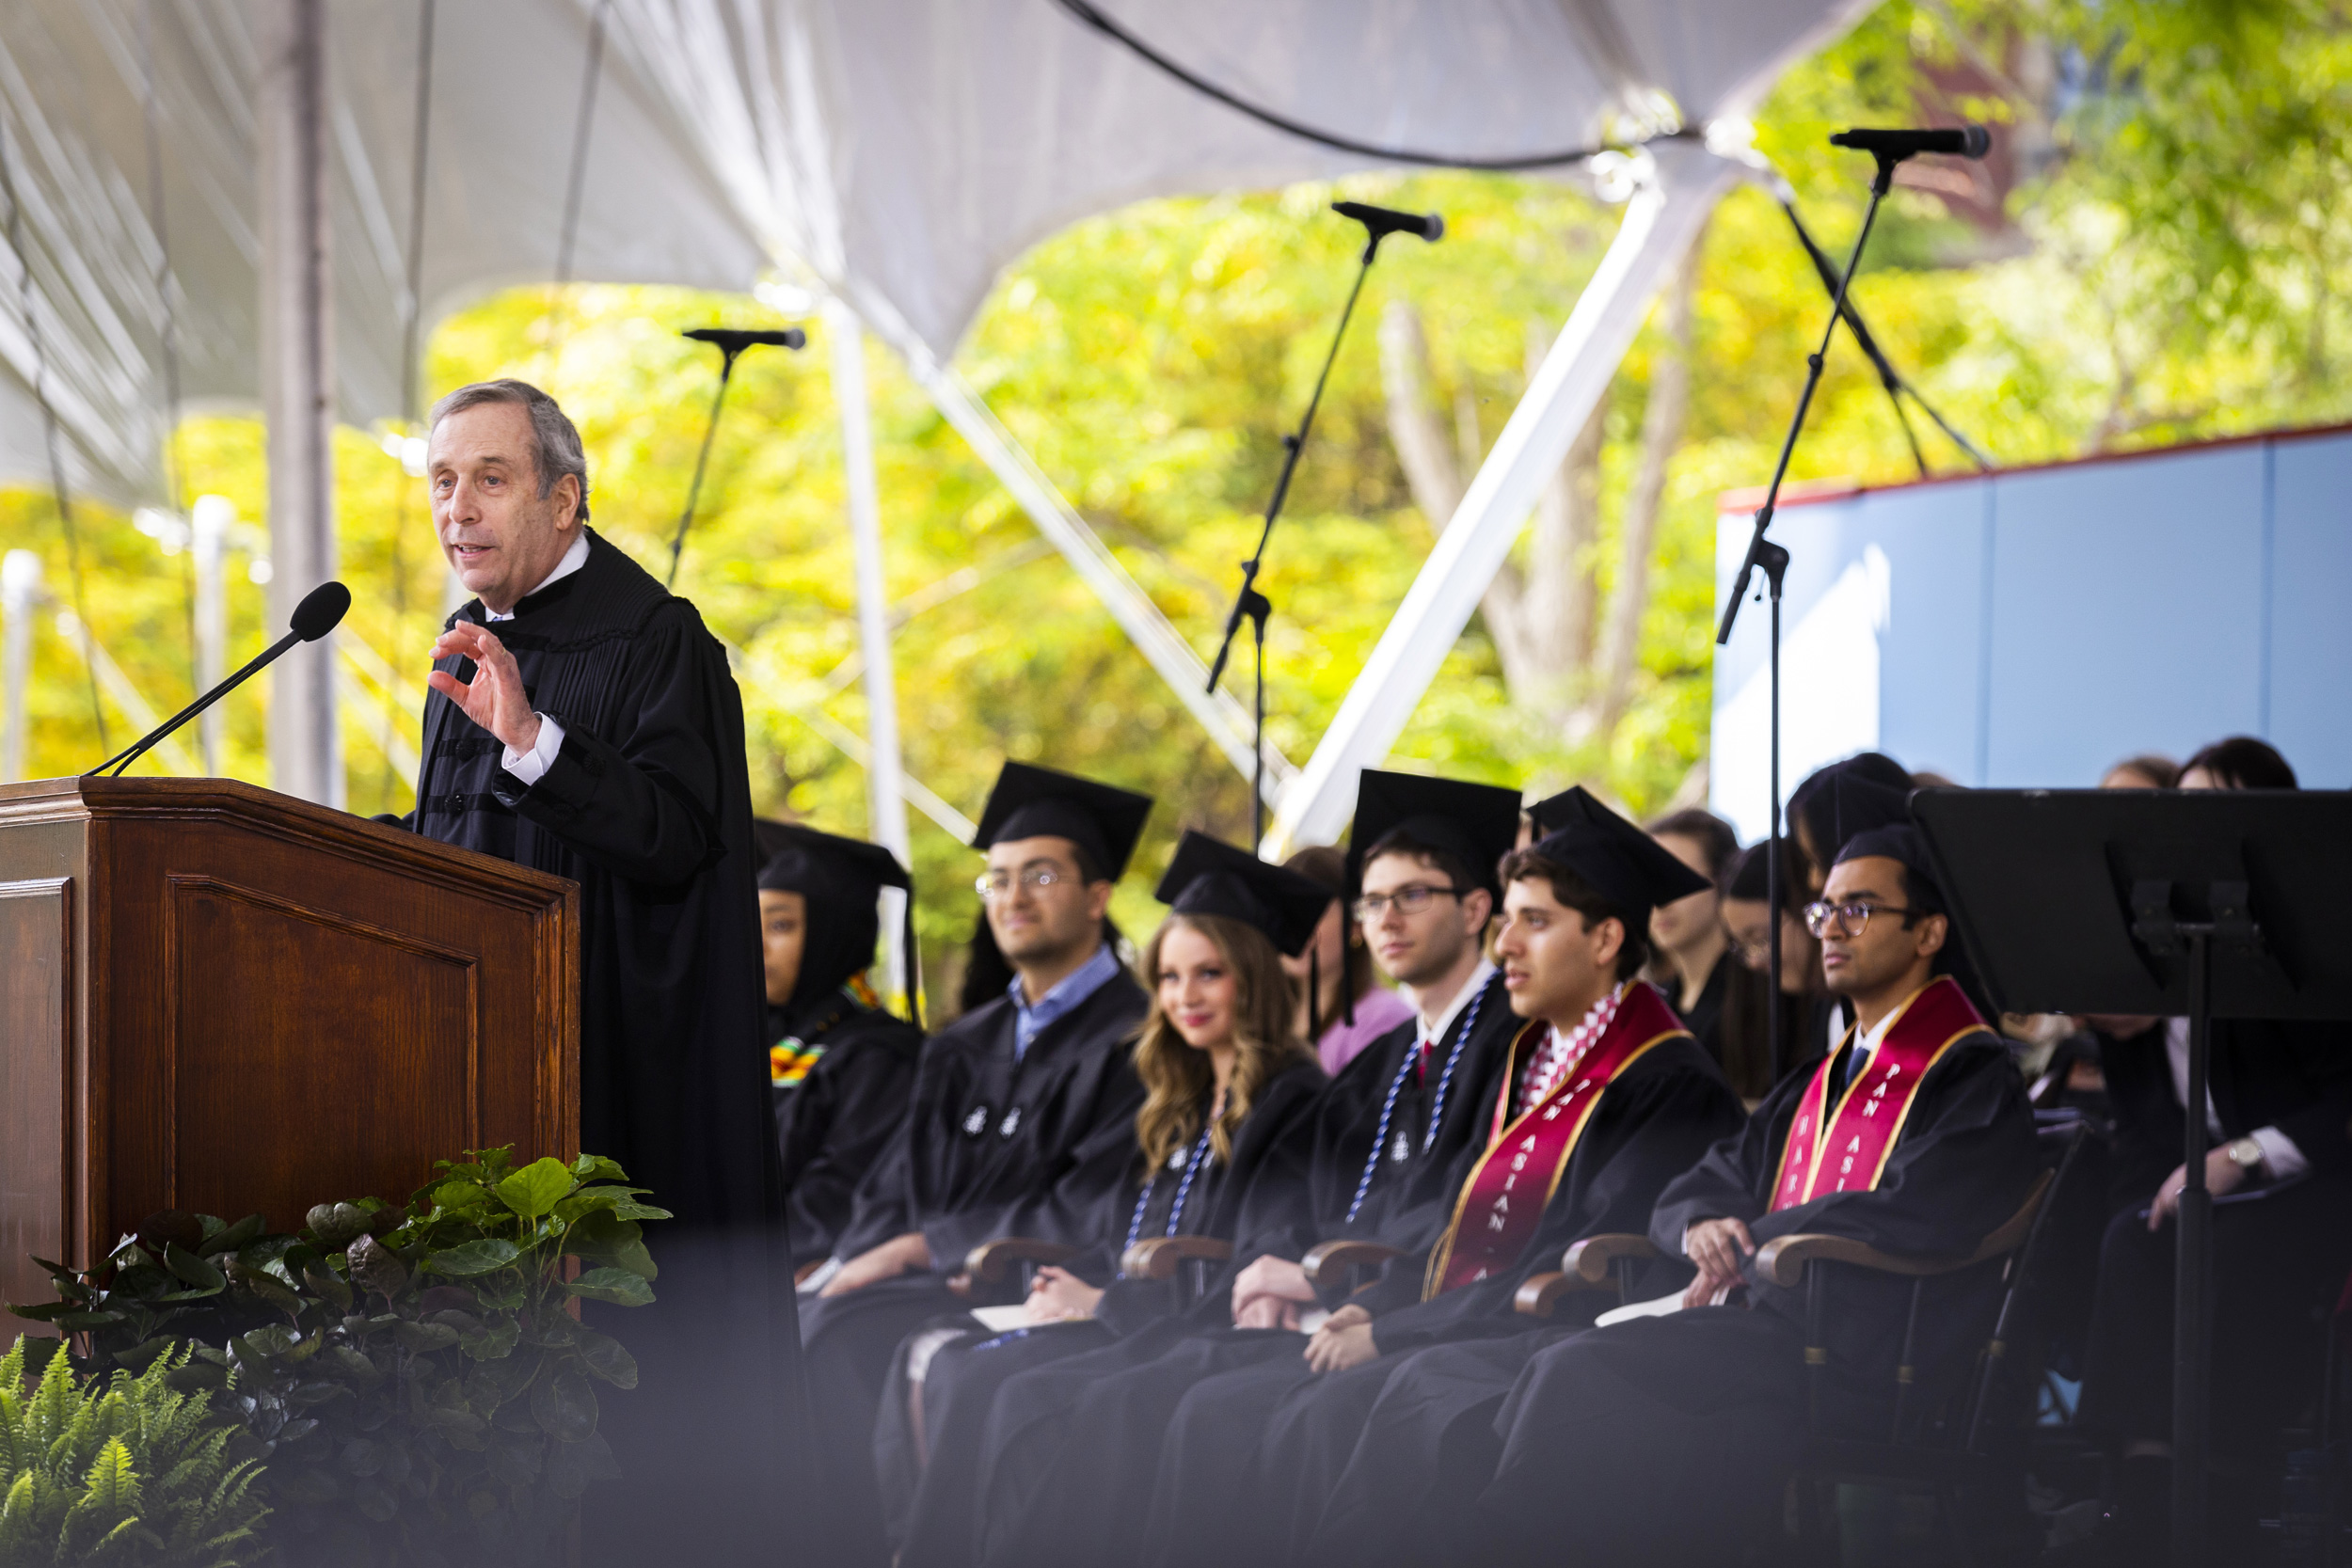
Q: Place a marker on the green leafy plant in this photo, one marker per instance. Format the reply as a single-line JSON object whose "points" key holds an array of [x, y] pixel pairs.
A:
{"points": [[417, 1379], [123, 1468]]}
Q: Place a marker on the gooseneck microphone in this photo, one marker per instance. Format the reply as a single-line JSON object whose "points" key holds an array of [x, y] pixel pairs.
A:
{"points": [[732, 341], [1966, 141], [321, 610]]}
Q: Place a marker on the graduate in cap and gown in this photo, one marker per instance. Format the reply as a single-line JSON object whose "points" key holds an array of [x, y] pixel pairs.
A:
{"points": [[1012, 1104], [1669, 1438], [1229, 1083], [1606, 1098], [840, 1065], [1372, 1167]]}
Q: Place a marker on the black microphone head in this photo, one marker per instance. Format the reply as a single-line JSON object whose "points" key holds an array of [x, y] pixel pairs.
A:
{"points": [[1975, 141], [321, 610], [735, 339], [1388, 220]]}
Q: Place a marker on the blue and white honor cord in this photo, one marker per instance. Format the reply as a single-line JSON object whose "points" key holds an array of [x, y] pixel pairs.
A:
{"points": [[1183, 1188], [1437, 1105]]}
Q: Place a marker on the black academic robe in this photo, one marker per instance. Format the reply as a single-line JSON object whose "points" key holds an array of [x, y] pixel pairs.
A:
{"points": [[990, 1146], [648, 807], [987, 1418], [833, 1125], [1217, 1496], [1621, 1427]]}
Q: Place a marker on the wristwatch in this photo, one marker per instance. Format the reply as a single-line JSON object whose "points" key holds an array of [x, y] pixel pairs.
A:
{"points": [[2246, 1153]]}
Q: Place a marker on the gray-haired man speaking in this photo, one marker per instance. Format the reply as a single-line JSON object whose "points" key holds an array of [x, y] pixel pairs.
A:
{"points": [[583, 722]]}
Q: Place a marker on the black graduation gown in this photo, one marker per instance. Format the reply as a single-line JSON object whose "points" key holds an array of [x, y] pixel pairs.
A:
{"points": [[1621, 1427], [1219, 1496], [1408, 1199], [648, 807], [988, 1408], [990, 1147], [833, 1126]]}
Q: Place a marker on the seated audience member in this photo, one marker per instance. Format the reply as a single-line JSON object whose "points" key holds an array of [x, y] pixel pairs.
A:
{"points": [[1608, 1098], [1384, 1136], [1227, 1082], [2145, 771], [842, 1068], [1867, 790], [2240, 762], [1670, 1438], [1343, 1007], [1008, 1101], [2276, 1108], [1811, 1020], [1691, 952]]}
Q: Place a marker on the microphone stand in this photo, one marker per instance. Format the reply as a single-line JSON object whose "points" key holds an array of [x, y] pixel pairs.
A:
{"points": [[1896, 386], [1248, 603], [124, 758], [731, 347], [1766, 555]]}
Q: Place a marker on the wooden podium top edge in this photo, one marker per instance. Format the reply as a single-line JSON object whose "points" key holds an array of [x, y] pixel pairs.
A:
{"points": [[281, 815]]}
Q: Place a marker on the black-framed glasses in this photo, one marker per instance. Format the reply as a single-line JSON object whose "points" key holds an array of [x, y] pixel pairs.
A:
{"points": [[1823, 918], [1409, 899]]}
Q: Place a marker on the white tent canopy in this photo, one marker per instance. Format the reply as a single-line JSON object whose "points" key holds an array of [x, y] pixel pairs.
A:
{"points": [[896, 153]]}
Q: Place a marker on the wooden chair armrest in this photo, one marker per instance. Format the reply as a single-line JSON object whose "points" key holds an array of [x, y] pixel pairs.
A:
{"points": [[1783, 1259], [1327, 1262], [1157, 1257], [1593, 1260], [992, 1261], [1540, 1293]]}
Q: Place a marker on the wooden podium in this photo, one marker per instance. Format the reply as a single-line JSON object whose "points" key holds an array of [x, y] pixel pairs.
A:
{"points": [[220, 999]]}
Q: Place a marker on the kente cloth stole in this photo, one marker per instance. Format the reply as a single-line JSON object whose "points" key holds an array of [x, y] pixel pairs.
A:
{"points": [[1851, 1153], [1505, 1198], [789, 1062]]}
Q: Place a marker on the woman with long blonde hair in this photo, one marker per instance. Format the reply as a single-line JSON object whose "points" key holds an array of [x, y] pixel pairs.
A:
{"points": [[1227, 1081]]}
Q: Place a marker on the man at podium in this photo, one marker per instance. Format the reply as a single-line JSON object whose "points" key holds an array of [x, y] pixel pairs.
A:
{"points": [[583, 722]]}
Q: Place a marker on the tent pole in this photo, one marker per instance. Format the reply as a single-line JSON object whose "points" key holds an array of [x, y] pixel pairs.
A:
{"points": [[885, 793], [20, 598], [208, 526], [1163, 647], [1661, 220], [298, 386]]}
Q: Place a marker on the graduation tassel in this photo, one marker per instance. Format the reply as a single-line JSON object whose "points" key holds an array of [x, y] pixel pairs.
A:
{"points": [[914, 963], [1314, 992]]}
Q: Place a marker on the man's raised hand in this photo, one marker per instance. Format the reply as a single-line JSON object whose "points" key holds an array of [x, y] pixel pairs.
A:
{"points": [[495, 699]]}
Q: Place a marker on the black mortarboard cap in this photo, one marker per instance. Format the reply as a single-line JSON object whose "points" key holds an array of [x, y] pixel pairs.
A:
{"points": [[1211, 877], [1477, 822], [1631, 869], [847, 874], [806, 860], [1028, 802], [1898, 842]]}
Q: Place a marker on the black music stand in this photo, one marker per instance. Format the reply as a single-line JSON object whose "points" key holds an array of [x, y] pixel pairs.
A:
{"points": [[2197, 903]]}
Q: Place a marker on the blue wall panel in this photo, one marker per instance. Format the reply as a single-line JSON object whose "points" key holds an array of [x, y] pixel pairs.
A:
{"points": [[2041, 625], [2126, 612], [2310, 609]]}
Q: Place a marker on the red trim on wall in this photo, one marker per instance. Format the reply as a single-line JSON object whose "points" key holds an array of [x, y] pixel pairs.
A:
{"points": [[1812, 491]]}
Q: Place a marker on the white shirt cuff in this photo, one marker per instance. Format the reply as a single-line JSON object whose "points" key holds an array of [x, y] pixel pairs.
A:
{"points": [[531, 765], [2280, 1158]]}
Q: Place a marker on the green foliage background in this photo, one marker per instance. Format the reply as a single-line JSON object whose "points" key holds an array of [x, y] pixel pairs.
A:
{"points": [[2175, 267]]}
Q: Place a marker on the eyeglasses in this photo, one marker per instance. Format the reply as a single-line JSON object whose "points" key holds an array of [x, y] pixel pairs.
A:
{"points": [[1847, 920], [1410, 899], [996, 884]]}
